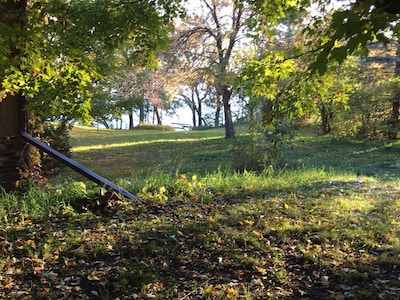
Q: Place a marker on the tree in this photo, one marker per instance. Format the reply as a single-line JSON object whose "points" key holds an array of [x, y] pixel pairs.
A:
{"points": [[198, 96], [350, 30], [189, 73], [277, 85], [53, 49], [219, 27], [369, 116], [347, 30], [138, 88]]}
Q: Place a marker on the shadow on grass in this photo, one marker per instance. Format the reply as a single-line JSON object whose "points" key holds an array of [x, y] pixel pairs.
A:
{"points": [[262, 248], [200, 156], [373, 158]]}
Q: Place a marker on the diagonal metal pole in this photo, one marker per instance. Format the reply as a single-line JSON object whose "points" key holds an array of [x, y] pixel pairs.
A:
{"points": [[76, 166]]}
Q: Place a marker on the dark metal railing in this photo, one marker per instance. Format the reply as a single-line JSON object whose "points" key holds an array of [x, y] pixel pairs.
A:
{"points": [[76, 166]]}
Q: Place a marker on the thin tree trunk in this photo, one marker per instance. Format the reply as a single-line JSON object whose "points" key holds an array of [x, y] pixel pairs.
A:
{"points": [[199, 112], [325, 118], [193, 108], [194, 118], [141, 114], [158, 116], [217, 114], [229, 128], [130, 120], [106, 125]]}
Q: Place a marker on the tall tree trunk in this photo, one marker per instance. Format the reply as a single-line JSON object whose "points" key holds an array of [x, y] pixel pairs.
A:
{"points": [[217, 114], [106, 125], [12, 118], [12, 145], [193, 107], [325, 119], [226, 100], [199, 112], [393, 132], [158, 116], [194, 118], [130, 120], [141, 114]]}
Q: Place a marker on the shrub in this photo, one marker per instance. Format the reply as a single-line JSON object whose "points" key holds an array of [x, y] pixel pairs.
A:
{"points": [[148, 126], [262, 150]]}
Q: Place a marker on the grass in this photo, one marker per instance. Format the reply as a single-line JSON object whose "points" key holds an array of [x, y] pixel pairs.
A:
{"points": [[140, 152], [327, 227]]}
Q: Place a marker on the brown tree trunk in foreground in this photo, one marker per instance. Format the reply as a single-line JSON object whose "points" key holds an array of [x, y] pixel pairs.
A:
{"points": [[12, 145], [12, 118]]}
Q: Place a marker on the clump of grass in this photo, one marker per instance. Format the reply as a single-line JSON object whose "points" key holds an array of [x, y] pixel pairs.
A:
{"points": [[148, 126], [38, 203]]}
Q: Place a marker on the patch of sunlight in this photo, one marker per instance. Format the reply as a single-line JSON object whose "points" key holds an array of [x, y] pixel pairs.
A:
{"points": [[356, 202], [136, 143]]}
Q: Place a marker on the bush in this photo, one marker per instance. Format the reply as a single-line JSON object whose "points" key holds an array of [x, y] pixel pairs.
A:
{"points": [[148, 126], [37, 165], [262, 150], [55, 135]]}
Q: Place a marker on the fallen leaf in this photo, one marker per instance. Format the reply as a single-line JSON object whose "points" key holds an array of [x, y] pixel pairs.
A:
{"points": [[93, 278]]}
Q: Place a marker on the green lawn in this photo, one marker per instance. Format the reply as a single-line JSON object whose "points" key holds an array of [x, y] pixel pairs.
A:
{"points": [[326, 227], [128, 154]]}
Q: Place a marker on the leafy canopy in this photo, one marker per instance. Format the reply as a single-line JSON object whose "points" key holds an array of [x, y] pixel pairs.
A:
{"points": [[58, 48], [352, 27]]}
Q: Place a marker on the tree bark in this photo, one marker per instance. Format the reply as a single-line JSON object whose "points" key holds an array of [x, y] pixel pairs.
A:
{"points": [[141, 114], [158, 116], [130, 120], [217, 114], [12, 117], [325, 118], [229, 128]]}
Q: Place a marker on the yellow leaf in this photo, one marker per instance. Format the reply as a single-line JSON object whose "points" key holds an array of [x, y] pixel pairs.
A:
{"points": [[248, 222], [93, 278], [31, 243], [181, 176], [257, 233], [9, 285], [286, 206], [38, 261], [261, 270]]}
